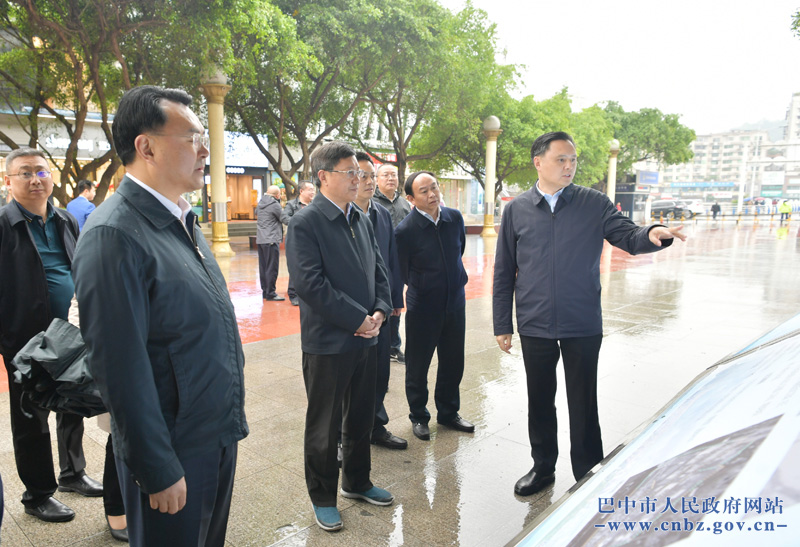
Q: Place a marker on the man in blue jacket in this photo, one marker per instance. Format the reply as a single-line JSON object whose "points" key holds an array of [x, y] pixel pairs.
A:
{"points": [[430, 242], [548, 256], [159, 325], [343, 286]]}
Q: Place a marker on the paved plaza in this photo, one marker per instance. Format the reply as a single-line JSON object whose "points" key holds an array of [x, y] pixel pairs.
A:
{"points": [[668, 316]]}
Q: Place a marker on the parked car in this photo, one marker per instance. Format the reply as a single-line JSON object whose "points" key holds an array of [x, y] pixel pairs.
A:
{"points": [[666, 207], [694, 207]]}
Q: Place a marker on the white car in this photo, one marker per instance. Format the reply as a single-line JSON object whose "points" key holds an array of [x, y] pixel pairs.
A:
{"points": [[694, 206]]}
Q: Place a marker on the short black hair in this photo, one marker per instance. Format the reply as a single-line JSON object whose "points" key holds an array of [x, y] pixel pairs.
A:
{"points": [[542, 144], [21, 153], [302, 184], [82, 186], [140, 110], [327, 156], [363, 156], [408, 186]]}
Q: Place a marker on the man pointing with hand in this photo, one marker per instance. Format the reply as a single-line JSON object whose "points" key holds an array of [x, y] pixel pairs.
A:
{"points": [[548, 257]]}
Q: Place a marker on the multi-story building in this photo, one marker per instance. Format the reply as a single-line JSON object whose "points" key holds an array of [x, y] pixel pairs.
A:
{"points": [[723, 157]]}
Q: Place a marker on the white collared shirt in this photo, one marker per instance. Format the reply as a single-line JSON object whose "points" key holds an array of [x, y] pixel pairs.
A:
{"points": [[551, 200], [429, 217], [179, 210]]}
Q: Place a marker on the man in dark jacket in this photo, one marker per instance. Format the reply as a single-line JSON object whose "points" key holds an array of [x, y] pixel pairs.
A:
{"points": [[430, 242], [268, 238], [36, 247], [548, 254], [306, 191], [388, 194], [160, 329], [343, 286], [384, 234]]}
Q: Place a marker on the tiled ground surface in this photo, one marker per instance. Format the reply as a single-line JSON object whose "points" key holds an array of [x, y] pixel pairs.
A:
{"points": [[667, 316]]}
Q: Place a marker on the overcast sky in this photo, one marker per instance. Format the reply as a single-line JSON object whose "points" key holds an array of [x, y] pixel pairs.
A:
{"points": [[717, 64]]}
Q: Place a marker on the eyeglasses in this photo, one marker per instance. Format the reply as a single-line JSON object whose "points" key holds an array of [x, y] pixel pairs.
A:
{"points": [[366, 176], [352, 173], [197, 139], [390, 176], [28, 175]]}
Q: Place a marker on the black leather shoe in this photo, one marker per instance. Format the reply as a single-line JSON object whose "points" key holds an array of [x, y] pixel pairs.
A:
{"points": [[275, 298], [51, 510], [533, 482], [119, 535], [85, 486], [387, 440], [421, 431], [295, 301], [459, 424]]}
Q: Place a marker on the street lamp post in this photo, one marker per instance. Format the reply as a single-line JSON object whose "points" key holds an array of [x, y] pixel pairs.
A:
{"points": [[215, 88], [491, 129], [613, 148]]}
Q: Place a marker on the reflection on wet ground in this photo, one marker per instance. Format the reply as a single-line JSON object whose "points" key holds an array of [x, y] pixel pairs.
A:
{"points": [[667, 317]]}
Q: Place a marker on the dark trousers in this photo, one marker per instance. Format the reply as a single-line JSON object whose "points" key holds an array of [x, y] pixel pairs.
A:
{"points": [[426, 332], [203, 521], [394, 325], [32, 450], [580, 371], [112, 493], [341, 392], [269, 255], [290, 292], [383, 370]]}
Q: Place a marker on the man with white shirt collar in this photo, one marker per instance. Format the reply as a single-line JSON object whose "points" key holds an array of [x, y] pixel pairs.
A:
{"points": [[548, 259], [160, 328], [430, 243]]}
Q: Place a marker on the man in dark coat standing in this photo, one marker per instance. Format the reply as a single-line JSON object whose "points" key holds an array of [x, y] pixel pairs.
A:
{"points": [[340, 277], [268, 238], [160, 329], [37, 242], [430, 242], [548, 256]]}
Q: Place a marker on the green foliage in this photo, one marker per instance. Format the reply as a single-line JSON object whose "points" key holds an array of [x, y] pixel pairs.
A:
{"points": [[649, 135], [796, 23], [522, 121]]}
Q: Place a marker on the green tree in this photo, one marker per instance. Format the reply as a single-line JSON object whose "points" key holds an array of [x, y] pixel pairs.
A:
{"points": [[648, 134], [437, 87], [522, 122], [350, 49], [81, 55]]}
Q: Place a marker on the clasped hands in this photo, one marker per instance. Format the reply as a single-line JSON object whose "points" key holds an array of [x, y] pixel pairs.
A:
{"points": [[371, 326]]}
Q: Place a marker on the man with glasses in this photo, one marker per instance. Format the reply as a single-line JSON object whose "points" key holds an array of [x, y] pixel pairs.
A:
{"points": [[37, 242], [160, 329], [388, 195], [384, 234], [81, 206], [343, 286], [306, 193], [430, 242]]}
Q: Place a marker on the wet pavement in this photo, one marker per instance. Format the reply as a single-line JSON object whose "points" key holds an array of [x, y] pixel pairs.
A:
{"points": [[668, 316]]}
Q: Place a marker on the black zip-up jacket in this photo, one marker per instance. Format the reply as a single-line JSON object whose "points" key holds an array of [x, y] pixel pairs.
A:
{"points": [[552, 261], [339, 275], [162, 337], [430, 261], [24, 297]]}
